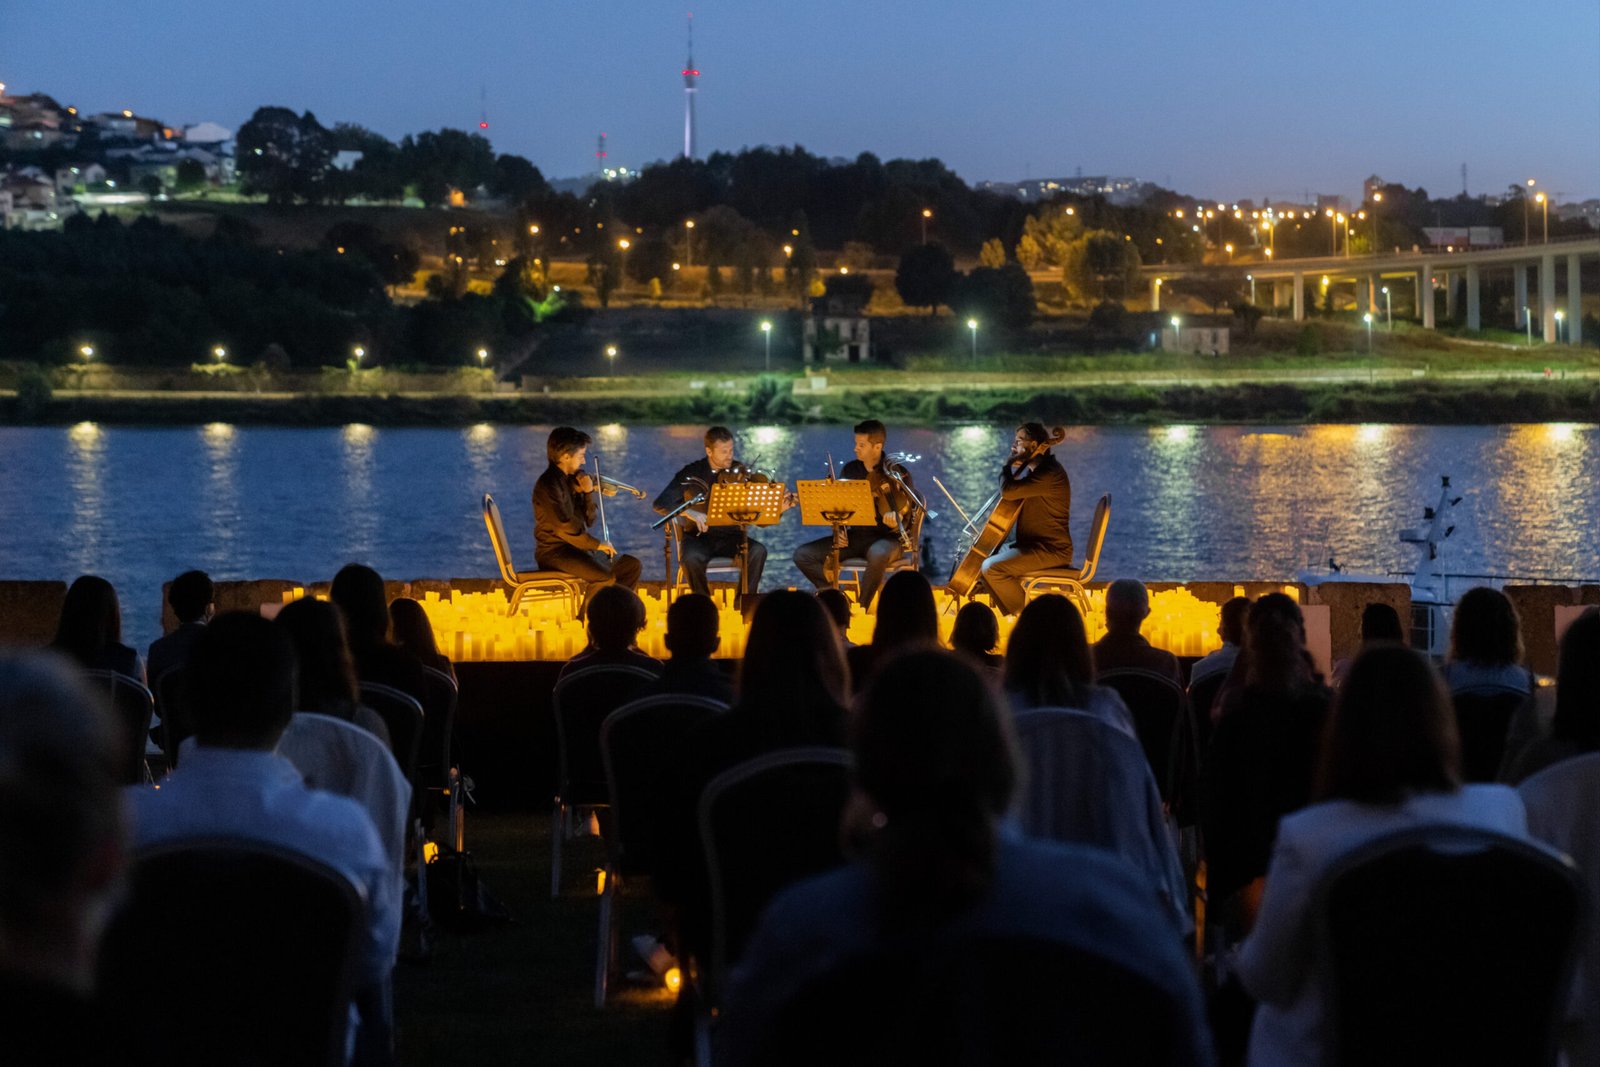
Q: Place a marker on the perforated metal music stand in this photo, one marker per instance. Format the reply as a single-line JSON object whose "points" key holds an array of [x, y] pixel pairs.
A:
{"points": [[745, 504], [837, 504]]}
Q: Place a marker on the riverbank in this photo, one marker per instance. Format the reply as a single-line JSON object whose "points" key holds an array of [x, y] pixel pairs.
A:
{"points": [[1387, 398]]}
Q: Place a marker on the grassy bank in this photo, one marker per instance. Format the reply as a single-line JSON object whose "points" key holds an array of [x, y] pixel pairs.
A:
{"points": [[1419, 401]]}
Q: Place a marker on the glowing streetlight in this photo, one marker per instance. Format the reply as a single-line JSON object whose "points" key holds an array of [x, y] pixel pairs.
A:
{"points": [[688, 242], [533, 230], [1527, 318], [483, 357], [359, 352], [1367, 318], [1544, 202], [1560, 316], [972, 327], [1388, 309], [927, 213], [1251, 278], [788, 250], [86, 351], [1175, 340], [611, 359], [1525, 213], [766, 328], [1228, 248], [220, 353]]}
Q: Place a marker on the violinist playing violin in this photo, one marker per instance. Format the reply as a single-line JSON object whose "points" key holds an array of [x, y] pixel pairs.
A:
{"points": [[879, 545], [1033, 476], [701, 542], [564, 504]]}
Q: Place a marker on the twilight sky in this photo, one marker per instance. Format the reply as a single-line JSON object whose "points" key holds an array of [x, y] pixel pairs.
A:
{"points": [[1244, 99]]}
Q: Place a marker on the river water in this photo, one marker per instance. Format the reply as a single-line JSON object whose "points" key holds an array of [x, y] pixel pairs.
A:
{"points": [[138, 505]]}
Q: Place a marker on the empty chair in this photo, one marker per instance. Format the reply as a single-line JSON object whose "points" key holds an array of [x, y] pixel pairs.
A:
{"points": [[134, 707], [435, 767], [1157, 704], [581, 701], [1483, 716], [402, 714], [231, 952]]}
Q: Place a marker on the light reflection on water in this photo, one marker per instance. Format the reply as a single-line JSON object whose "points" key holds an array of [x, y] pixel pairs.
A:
{"points": [[1189, 502]]}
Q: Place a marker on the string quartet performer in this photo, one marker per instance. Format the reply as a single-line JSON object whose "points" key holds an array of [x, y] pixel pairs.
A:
{"points": [[881, 544], [1035, 478], [699, 543], [565, 503]]}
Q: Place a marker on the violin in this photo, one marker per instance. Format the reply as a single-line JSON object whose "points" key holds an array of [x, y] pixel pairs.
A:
{"points": [[1001, 518]]}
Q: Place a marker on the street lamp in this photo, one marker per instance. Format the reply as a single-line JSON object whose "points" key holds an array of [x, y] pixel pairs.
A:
{"points": [[1544, 202], [1388, 310], [1367, 318], [972, 325], [359, 353], [927, 213], [483, 357], [1560, 315], [766, 328], [1527, 318], [86, 351], [1176, 341], [1525, 214], [1251, 278], [688, 242], [1228, 248], [611, 360], [221, 353]]}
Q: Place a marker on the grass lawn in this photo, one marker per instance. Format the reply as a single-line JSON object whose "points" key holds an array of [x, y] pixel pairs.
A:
{"points": [[524, 993]]}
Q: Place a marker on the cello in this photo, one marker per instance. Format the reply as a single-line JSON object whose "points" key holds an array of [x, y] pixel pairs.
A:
{"points": [[1001, 518]]}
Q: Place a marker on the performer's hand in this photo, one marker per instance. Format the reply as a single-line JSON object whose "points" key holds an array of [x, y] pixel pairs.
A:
{"points": [[583, 483], [890, 519], [607, 547], [699, 520], [790, 500]]}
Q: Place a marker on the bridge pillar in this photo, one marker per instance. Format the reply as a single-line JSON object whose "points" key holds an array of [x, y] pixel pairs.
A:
{"points": [[1424, 294], [1277, 294], [1299, 296], [1574, 302], [1519, 301], [1547, 295], [1449, 296], [1474, 315], [1155, 294]]}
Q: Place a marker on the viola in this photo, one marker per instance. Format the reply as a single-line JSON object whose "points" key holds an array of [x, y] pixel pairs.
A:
{"points": [[1001, 518]]}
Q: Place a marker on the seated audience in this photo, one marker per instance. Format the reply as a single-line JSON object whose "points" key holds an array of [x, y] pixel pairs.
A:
{"points": [[692, 637], [414, 633], [976, 634], [1486, 644], [1390, 761], [90, 630], [359, 593], [190, 597], [1380, 624], [616, 615], [1123, 647], [791, 690], [934, 777], [906, 617], [61, 833], [1263, 751], [837, 603], [1563, 722], [231, 784], [327, 671], [1231, 629], [1048, 664]]}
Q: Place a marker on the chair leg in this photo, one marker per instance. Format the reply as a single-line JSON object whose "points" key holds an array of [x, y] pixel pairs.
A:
{"points": [[604, 940], [558, 818], [517, 593]]}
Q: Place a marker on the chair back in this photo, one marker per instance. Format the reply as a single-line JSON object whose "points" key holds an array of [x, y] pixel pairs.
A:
{"points": [[764, 825], [1088, 782], [1483, 717], [440, 695], [402, 714], [497, 538], [1202, 695], [134, 707], [1157, 704], [982, 1000], [1447, 944], [1097, 538], [581, 701], [634, 740], [171, 692], [232, 952]]}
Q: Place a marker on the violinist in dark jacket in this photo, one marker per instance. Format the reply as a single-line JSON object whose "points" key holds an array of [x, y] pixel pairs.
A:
{"points": [[1033, 475], [700, 543], [564, 506]]}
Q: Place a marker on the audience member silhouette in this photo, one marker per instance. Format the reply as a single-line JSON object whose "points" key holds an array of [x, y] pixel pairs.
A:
{"points": [[615, 617], [191, 598], [1048, 664], [61, 833], [326, 669], [1486, 644], [90, 629], [837, 603], [1390, 761], [1380, 624], [414, 633], [1230, 628], [1263, 750], [1573, 712], [358, 591], [231, 784], [1123, 647], [692, 625], [906, 618], [935, 774], [976, 634]]}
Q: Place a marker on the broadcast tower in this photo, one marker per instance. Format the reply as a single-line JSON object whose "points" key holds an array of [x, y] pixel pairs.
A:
{"points": [[690, 76]]}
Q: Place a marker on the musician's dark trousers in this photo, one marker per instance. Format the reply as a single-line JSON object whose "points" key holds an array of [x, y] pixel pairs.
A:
{"points": [[865, 543], [593, 567], [697, 551], [1003, 572]]}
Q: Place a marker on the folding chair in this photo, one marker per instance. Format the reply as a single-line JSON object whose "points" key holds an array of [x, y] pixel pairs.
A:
{"points": [[547, 584], [1483, 717], [1071, 580], [725, 567], [437, 774], [1158, 705], [633, 740], [581, 701], [402, 714], [853, 567], [134, 707]]}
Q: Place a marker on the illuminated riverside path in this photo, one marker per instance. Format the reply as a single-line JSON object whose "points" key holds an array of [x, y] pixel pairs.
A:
{"points": [[1227, 503]]}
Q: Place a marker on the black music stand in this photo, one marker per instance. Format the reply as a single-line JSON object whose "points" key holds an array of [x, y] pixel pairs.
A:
{"points": [[838, 504], [745, 504]]}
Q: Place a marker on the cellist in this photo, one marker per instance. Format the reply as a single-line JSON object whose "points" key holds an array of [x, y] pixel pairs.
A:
{"points": [[1033, 476]]}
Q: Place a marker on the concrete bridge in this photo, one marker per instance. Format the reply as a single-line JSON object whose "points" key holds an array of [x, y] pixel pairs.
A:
{"points": [[1423, 271]]}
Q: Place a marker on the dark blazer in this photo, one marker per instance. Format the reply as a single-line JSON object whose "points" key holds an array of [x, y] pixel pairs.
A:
{"points": [[173, 650], [561, 515], [1046, 495]]}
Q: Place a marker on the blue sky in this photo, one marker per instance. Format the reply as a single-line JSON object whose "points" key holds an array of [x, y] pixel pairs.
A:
{"points": [[1246, 99]]}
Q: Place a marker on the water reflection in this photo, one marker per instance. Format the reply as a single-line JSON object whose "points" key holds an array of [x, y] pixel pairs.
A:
{"points": [[86, 476], [483, 449], [221, 515], [361, 510]]}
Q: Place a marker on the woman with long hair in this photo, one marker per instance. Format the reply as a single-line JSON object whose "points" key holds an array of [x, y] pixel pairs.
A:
{"points": [[414, 633], [975, 635], [906, 618], [1049, 664], [90, 629], [1486, 644], [1390, 760], [327, 677], [1575, 716]]}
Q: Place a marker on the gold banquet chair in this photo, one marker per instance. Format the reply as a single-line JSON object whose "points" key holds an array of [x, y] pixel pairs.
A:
{"points": [[1071, 580], [545, 584], [718, 568]]}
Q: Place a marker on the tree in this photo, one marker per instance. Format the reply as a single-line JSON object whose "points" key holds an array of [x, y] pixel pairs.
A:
{"points": [[437, 163], [191, 175], [992, 254], [517, 180], [650, 257], [1213, 286], [1099, 263], [1000, 295], [925, 276], [1029, 253], [283, 156], [849, 293], [800, 268], [150, 185], [605, 272]]}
